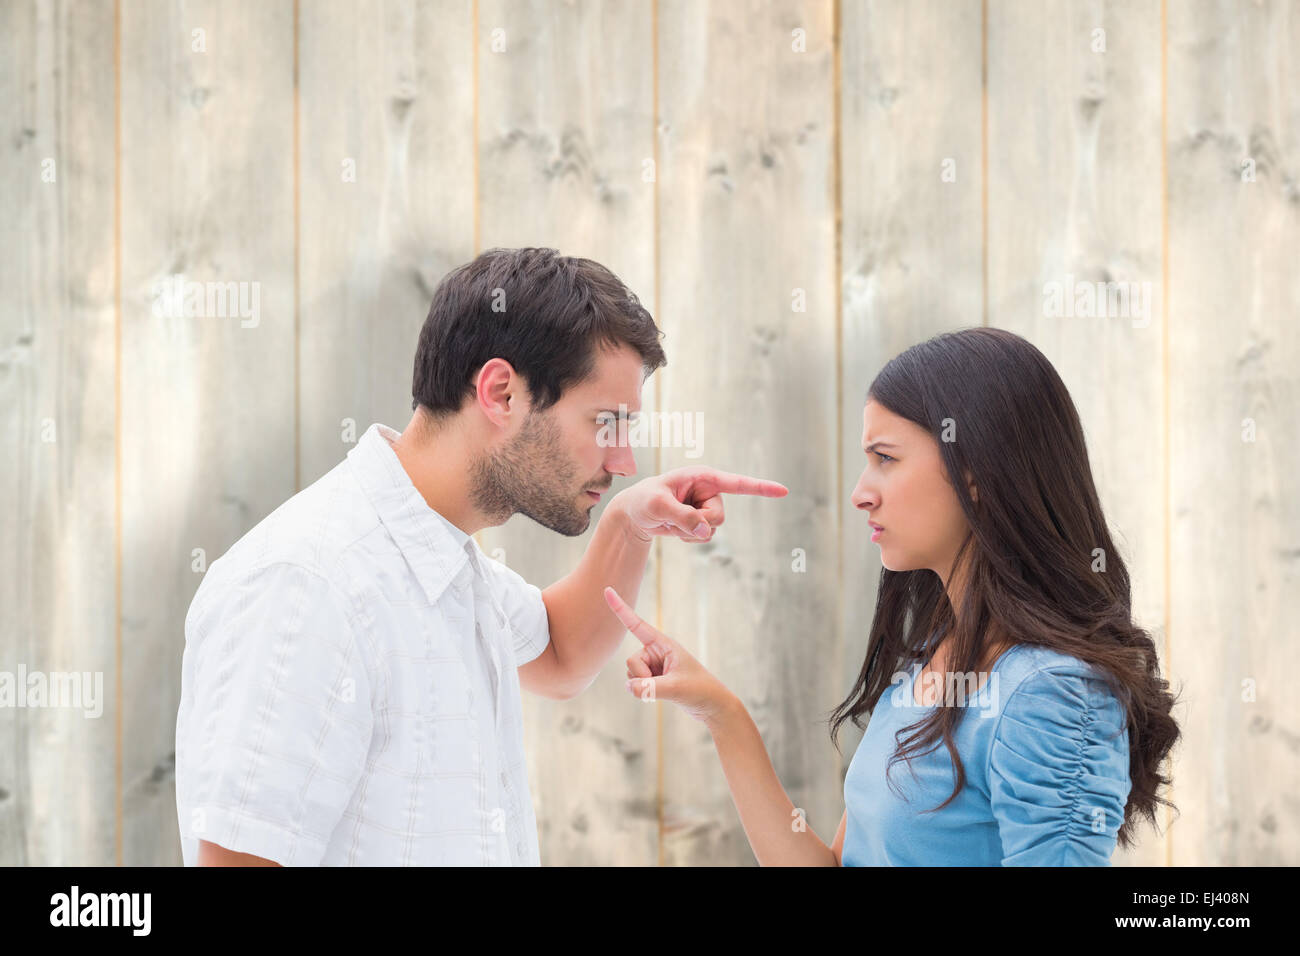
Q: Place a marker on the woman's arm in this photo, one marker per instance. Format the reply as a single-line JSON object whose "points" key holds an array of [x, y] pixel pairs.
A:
{"points": [[664, 670], [777, 834]]}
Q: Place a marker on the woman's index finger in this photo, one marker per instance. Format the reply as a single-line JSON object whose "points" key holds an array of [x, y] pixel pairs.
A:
{"points": [[629, 617]]}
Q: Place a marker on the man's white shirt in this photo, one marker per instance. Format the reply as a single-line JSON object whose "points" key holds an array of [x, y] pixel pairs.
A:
{"points": [[349, 692]]}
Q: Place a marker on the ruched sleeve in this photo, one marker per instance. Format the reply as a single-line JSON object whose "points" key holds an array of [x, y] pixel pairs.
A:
{"points": [[1059, 771]]}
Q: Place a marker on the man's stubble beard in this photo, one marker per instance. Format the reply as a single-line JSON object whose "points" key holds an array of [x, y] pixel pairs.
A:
{"points": [[532, 477]]}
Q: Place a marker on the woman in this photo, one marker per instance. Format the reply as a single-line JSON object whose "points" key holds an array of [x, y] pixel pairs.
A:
{"points": [[1034, 721]]}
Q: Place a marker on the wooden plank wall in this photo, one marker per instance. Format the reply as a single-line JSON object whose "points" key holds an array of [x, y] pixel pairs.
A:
{"points": [[747, 219], [561, 162], [386, 180], [1233, 355], [1074, 191], [58, 777], [912, 243], [796, 190]]}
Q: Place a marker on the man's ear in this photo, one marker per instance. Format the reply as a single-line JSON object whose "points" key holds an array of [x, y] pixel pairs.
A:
{"points": [[498, 391]]}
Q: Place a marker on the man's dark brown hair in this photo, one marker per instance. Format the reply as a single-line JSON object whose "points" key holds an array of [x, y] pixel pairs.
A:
{"points": [[544, 313]]}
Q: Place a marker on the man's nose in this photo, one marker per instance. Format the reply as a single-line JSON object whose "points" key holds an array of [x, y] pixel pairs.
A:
{"points": [[621, 461]]}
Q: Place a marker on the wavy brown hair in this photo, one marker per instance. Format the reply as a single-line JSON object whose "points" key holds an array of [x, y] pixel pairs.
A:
{"points": [[1029, 558]]}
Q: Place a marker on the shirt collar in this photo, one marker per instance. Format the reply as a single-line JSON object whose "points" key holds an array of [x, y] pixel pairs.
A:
{"points": [[434, 548]]}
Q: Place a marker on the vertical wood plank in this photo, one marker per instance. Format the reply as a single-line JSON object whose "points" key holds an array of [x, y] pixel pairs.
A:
{"points": [[1234, 295], [57, 568], [747, 218], [912, 243], [1074, 198], [207, 401], [561, 161], [387, 194]]}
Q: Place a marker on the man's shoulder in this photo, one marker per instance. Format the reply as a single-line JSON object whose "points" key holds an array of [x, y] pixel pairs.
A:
{"points": [[316, 531]]}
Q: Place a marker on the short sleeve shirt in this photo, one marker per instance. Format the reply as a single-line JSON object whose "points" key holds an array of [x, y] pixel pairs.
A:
{"points": [[1045, 747], [349, 687]]}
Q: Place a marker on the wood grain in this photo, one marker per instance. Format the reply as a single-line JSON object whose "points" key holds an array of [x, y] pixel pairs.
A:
{"points": [[746, 210], [387, 205], [1074, 198], [777, 173], [912, 243], [1234, 298], [207, 429], [560, 165], [58, 597]]}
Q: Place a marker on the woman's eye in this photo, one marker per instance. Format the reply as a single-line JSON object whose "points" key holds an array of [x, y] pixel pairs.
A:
{"points": [[883, 457]]}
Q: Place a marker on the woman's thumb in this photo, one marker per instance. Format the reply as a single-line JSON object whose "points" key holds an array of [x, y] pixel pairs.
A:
{"points": [[650, 689], [643, 687]]}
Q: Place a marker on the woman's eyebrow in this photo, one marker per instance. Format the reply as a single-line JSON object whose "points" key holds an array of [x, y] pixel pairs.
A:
{"points": [[880, 444]]}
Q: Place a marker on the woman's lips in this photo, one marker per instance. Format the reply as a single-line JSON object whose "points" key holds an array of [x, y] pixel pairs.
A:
{"points": [[876, 531]]}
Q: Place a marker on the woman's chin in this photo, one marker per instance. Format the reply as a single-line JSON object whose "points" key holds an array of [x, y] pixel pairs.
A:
{"points": [[894, 563]]}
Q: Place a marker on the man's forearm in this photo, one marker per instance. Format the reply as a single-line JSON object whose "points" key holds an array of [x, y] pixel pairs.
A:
{"points": [[777, 834], [583, 630]]}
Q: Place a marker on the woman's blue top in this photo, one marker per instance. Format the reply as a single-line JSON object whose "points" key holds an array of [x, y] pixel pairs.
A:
{"points": [[1045, 747]]}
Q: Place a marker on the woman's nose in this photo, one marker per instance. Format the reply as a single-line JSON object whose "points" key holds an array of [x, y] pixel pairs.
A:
{"points": [[863, 498]]}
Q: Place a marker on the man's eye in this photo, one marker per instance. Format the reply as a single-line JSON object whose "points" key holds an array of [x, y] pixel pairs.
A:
{"points": [[609, 418]]}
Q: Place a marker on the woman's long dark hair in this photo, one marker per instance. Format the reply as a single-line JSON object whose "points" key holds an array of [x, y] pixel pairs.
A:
{"points": [[1033, 568]]}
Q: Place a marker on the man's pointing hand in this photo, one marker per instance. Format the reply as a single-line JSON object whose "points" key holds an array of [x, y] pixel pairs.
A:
{"points": [[687, 502]]}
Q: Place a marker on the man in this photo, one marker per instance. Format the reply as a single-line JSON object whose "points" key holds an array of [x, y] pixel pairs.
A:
{"points": [[351, 680]]}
